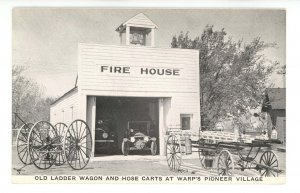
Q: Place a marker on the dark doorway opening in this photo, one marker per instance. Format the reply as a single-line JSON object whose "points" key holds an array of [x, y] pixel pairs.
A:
{"points": [[112, 117]]}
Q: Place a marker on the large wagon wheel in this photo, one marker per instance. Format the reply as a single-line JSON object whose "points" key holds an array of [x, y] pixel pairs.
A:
{"points": [[174, 154], [225, 164], [61, 129], [22, 148], [42, 144], [78, 144], [268, 159]]}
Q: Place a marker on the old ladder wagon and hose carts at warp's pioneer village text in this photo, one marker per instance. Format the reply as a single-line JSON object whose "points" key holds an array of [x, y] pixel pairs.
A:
{"points": [[222, 147], [44, 145]]}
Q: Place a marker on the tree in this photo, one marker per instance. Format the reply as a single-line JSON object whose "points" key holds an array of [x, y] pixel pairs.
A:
{"points": [[282, 70], [233, 75], [28, 98]]}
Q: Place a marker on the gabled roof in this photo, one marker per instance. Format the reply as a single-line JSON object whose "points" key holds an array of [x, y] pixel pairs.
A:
{"points": [[276, 97], [75, 89], [139, 20]]}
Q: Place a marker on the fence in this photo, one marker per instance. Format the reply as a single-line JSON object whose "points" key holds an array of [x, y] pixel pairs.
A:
{"points": [[17, 123]]}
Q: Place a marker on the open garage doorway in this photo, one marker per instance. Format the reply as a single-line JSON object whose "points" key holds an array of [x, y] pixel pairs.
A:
{"points": [[114, 116]]}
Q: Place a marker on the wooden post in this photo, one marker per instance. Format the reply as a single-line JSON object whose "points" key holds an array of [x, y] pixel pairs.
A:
{"points": [[127, 35], [161, 127], [91, 118], [93, 124], [152, 37]]}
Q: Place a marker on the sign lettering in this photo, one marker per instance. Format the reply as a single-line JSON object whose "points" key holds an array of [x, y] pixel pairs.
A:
{"points": [[142, 70]]}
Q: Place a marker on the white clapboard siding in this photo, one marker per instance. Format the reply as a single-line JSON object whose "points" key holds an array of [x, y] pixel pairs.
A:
{"points": [[65, 109], [182, 90], [93, 56], [141, 50], [185, 103]]}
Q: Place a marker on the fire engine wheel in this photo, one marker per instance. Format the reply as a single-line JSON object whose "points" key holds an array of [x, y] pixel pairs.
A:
{"points": [[42, 144], [125, 148], [174, 154], [153, 148], [22, 148], [78, 144], [61, 129], [225, 164], [269, 164]]}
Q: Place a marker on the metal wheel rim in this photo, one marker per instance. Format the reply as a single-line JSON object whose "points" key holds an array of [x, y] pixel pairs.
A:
{"points": [[173, 152], [42, 144], [60, 129], [269, 159], [225, 164], [22, 141], [78, 144]]}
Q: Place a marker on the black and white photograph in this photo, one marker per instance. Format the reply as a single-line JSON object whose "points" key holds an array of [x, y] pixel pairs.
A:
{"points": [[148, 95]]}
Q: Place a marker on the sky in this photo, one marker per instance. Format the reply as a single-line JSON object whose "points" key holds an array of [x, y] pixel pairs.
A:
{"points": [[45, 39]]}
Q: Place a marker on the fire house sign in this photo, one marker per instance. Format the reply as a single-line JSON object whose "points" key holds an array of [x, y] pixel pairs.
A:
{"points": [[140, 70]]}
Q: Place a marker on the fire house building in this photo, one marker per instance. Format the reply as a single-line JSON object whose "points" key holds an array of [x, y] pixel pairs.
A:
{"points": [[133, 81]]}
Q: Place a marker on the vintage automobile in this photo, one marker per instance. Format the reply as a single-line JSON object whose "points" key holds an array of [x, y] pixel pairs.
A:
{"points": [[138, 137], [105, 137]]}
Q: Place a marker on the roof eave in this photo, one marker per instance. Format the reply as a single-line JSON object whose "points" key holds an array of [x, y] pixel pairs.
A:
{"points": [[70, 91], [120, 28]]}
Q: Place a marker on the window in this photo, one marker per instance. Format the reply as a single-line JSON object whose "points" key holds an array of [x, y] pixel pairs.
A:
{"points": [[185, 121]]}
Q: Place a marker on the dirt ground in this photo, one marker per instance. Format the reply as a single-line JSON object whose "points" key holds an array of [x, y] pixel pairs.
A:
{"points": [[135, 165]]}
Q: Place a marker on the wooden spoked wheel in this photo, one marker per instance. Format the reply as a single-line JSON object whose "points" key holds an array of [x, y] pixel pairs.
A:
{"points": [[225, 164], [174, 154], [125, 147], [42, 144], [78, 144], [22, 139], [270, 161], [153, 147], [61, 129]]}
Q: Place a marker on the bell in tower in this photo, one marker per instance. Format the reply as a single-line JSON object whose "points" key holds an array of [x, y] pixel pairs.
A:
{"points": [[137, 31]]}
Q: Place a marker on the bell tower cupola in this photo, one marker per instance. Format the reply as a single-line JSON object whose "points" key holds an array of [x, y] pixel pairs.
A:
{"points": [[137, 31]]}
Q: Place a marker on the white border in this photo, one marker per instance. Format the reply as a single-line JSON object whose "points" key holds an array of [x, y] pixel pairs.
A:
{"points": [[293, 134]]}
